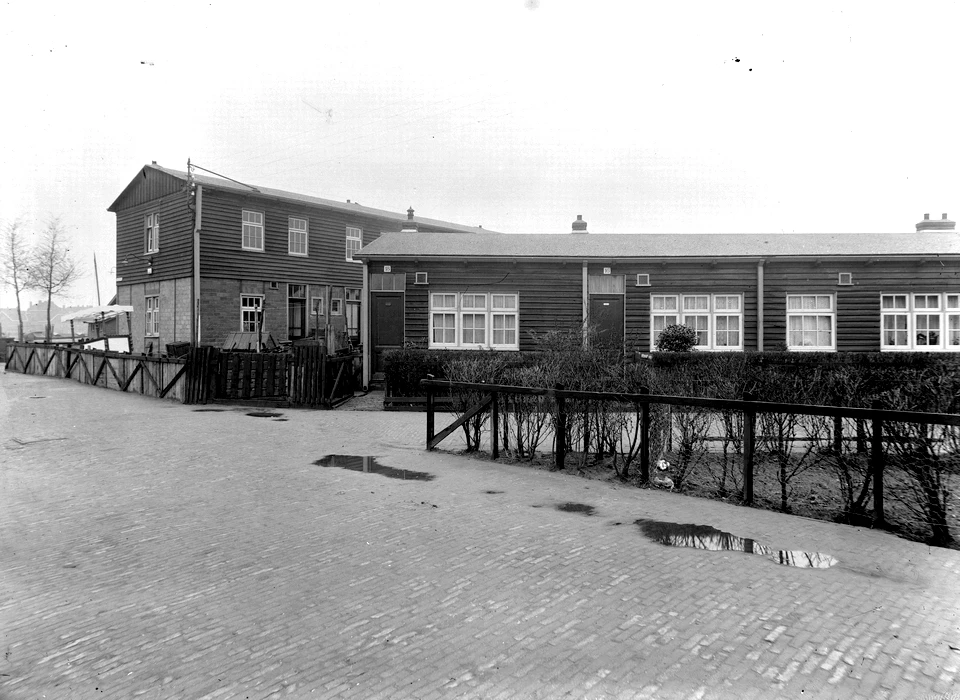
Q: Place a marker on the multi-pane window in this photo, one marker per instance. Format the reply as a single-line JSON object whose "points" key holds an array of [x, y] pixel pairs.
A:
{"points": [[354, 241], [151, 233], [252, 238], [716, 318], [251, 306], [336, 307], [664, 311], [810, 322], [504, 320], [297, 236], [151, 320], [474, 320], [920, 322], [353, 311]]}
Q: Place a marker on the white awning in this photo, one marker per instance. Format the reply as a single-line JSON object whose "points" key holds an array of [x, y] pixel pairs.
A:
{"points": [[98, 313]]}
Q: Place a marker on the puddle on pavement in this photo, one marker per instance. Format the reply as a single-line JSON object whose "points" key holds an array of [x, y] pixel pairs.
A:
{"points": [[209, 410], [264, 414], [358, 463], [493, 492], [576, 508], [36, 397], [712, 539]]}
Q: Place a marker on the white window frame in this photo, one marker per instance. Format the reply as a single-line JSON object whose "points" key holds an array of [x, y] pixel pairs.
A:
{"points": [[151, 316], [252, 230], [701, 312], [817, 312], [354, 242], [664, 311], [151, 233], [316, 307], [474, 320], [336, 306], [908, 315], [298, 236], [250, 312]]}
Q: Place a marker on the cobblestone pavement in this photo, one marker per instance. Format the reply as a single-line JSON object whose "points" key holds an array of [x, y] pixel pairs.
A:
{"points": [[150, 549]]}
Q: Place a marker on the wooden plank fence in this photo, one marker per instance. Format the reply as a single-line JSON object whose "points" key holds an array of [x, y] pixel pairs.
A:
{"points": [[161, 377], [307, 376]]}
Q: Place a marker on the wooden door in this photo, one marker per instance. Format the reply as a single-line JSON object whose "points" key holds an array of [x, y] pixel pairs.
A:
{"points": [[386, 325], [606, 320]]}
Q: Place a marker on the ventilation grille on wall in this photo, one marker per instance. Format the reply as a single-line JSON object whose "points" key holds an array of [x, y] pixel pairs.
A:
{"points": [[274, 285], [643, 280], [421, 278], [846, 278]]}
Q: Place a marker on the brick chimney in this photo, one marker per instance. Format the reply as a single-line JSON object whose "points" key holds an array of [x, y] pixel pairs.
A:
{"points": [[579, 226], [944, 224], [409, 226]]}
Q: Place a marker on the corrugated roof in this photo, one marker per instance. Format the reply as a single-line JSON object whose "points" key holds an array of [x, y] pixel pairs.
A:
{"points": [[661, 245], [228, 186]]}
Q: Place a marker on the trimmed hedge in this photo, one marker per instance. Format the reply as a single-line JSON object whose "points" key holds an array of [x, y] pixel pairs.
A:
{"points": [[910, 381]]}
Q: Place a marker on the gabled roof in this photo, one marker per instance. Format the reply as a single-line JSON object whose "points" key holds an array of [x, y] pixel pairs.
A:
{"points": [[572, 246], [294, 197]]}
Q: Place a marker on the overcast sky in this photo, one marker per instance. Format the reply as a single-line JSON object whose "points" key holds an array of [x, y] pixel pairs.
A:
{"points": [[513, 114]]}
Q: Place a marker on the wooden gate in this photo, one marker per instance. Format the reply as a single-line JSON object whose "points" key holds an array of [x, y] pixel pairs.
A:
{"points": [[305, 376]]}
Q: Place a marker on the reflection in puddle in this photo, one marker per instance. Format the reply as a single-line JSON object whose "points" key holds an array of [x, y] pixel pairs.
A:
{"points": [[209, 410], [710, 538], [264, 414], [576, 508], [358, 463]]}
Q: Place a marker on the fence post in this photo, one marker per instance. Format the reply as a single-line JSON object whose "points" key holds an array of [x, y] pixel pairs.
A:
{"points": [[749, 447], [644, 438], [586, 429], [561, 427], [876, 467], [495, 427], [838, 435], [430, 416]]}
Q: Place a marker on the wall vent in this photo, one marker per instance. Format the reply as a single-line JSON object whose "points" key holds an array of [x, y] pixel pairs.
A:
{"points": [[643, 280], [274, 285], [421, 278], [846, 278]]}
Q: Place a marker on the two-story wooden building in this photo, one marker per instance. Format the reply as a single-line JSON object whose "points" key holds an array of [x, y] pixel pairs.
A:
{"points": [[199, 257], [740, 292]]}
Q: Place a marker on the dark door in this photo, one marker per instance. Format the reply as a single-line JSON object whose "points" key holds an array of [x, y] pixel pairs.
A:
{"points": [[386, 325], [606, 320]]}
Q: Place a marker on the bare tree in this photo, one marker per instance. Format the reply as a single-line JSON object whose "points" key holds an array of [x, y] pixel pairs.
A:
{"points": [[53, 271], [15, 266]]}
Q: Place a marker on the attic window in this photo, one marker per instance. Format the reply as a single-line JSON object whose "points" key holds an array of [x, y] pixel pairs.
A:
{"points": [[643, 280], [845, 278], [421, 278]]}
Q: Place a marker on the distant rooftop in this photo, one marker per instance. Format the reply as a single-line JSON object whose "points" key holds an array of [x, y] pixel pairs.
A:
{"points": [[661, 245]]}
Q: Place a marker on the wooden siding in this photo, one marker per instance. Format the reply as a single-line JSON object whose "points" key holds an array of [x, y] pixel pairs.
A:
{"points": [[550, 296], [550, 293], [148, 186], [221, 254], [686, 278], [175, 257], [857, 305]]}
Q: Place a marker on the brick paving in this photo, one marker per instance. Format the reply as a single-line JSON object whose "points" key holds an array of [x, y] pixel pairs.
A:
{"points": [[150, 549]]}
